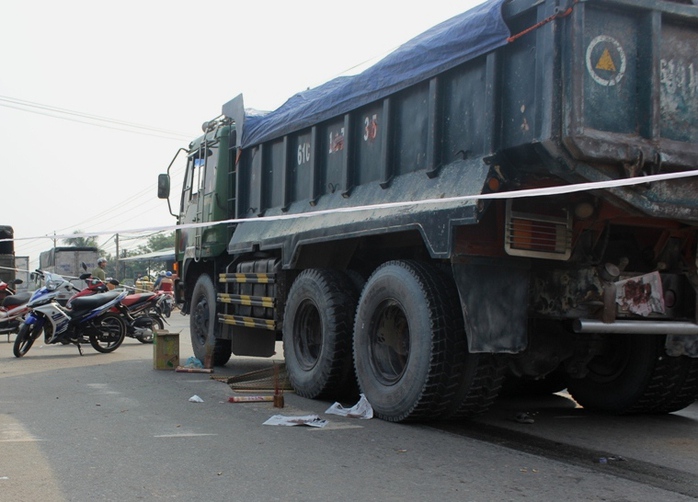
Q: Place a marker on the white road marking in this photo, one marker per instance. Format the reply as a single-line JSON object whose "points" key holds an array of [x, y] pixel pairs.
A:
{"points": [[182, 435]]}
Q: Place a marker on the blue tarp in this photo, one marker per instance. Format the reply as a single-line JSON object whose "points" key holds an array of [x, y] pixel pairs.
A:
{"points": [[446, 45]]}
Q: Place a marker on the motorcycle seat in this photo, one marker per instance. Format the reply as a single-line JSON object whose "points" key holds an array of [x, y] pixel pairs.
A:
{"points": [[137, 299], [14, 300], [94, 301]]}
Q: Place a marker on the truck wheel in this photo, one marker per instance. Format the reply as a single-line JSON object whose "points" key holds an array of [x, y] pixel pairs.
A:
{"points": [[634, 375], [408, 332], [203, 324], [317, 330], [684, 384]]}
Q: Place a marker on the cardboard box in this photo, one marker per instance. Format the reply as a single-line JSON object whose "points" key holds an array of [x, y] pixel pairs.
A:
{"points": [[165, 350]]}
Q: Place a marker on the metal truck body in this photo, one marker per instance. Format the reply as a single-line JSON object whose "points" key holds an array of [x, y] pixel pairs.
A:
{"points": [[511, 195], [7, 253]]}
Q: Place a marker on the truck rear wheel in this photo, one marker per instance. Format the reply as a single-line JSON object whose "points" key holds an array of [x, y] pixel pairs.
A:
{"points": [[634, 375], [684, 385], [203, 324], [408, 338], [318, 325]]}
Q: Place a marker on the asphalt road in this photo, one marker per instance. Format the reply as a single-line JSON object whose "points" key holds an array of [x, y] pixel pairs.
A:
{"points": [[110, 427]]}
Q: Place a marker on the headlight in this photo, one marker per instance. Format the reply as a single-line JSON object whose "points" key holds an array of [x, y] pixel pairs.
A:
{"points": [[52, 285]]}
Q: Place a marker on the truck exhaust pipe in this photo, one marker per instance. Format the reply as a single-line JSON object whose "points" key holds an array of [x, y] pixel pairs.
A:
{"points": [[635, 327]]}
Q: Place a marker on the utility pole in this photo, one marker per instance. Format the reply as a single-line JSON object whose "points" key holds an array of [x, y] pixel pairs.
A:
{"points": [[117, 256]]}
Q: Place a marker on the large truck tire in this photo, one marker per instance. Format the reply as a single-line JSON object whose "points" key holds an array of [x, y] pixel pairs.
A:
{"points": [[683, 382], [482, 377], [408, 336], [203, 325], [317, 331], [634, 375]]}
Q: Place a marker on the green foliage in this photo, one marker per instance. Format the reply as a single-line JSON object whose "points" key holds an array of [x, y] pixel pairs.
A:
{"points": [[129, 270], [161, 241], [83, 241]]}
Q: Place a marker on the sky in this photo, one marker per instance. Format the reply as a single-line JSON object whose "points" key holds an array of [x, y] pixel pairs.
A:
{"points": [[96, 98]]}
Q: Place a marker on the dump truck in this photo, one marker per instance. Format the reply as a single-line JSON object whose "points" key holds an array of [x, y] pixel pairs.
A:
{"points": [[509, 197]]}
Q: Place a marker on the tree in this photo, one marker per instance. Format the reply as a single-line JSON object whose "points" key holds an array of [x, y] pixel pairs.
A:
{"points": [[160, 241], [82, 242], [130, 269]]}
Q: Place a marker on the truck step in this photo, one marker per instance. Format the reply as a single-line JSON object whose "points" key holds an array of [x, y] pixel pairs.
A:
{"points": [[247, 300], [252, 278], [247, 322]]}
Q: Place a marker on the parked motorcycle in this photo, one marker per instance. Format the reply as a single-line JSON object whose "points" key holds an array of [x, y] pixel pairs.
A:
{"points": [[94, 285], [139, 310], [13, 307], [7, 289], [89, 319], [142, 316]]}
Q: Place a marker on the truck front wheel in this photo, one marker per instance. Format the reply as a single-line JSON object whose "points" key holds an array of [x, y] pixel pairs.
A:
{"points": [[203, 324], [318, 325]]}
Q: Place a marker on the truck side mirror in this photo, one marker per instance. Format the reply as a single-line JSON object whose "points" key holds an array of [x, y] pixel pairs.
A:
{"points": [[163, 186]]}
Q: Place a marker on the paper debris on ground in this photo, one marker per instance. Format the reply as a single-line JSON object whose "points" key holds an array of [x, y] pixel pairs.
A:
{"points": [[184, 369], [195, 399], [362, 409], [309, 420]]}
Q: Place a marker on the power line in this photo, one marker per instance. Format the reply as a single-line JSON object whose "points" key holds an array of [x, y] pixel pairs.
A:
{"points": [[94, 120], [132, 202]]}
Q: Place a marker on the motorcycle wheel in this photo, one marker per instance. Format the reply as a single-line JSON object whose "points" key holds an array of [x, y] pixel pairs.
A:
{"points": [[112, 330], [25, 338], [166, 308], [158, 323]]}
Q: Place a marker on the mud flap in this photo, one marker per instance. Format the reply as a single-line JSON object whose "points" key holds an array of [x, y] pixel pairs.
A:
{"points": [[494, 300], [252, 342]]}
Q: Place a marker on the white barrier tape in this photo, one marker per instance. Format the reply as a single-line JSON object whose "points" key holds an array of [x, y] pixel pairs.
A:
{"points": [[15, 269], [516, 194]]}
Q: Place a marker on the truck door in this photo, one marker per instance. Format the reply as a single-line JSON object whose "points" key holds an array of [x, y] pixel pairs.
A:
{"points": [[197, 196]]}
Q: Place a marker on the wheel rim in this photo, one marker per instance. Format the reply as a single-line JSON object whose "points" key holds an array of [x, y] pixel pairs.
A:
{"points": [[25, 344], [157, 322], [610, 365], [307, 342], [389, 342], [201, 320], [110, 332], [27, 341]]}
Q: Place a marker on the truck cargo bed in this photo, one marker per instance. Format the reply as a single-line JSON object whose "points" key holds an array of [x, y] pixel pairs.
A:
{"points": [[540, 94]]}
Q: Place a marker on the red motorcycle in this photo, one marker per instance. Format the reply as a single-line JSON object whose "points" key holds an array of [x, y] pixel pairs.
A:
{"points": [[139, 310], [13, 307]]}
